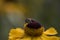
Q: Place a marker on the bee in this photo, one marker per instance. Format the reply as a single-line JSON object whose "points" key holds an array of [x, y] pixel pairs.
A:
{"points": [[32, 27]]}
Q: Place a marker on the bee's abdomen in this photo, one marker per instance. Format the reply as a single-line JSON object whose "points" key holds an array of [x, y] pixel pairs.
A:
{"points": [[34, 25]]}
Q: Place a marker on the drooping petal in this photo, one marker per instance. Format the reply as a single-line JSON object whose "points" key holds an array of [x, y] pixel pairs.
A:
{"points": [[51, 31]]}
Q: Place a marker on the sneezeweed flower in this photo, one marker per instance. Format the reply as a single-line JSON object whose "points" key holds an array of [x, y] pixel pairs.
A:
{"points": [[33, 30]]}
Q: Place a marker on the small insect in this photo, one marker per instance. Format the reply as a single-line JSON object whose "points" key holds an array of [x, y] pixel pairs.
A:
{"points": [[33, 27]]}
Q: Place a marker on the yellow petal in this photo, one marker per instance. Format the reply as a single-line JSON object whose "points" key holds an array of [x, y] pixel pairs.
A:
{"points": [[51, 31], [45, 37], [16, 33], [37, 38], [54, 38], [12, 31], [20, 30], [26, 38]]}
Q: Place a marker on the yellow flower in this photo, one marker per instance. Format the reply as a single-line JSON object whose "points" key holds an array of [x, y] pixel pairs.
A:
{"points": [[19, 34]]}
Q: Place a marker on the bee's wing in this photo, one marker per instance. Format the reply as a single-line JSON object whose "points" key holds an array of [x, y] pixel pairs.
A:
{"points": [[50, 31]]}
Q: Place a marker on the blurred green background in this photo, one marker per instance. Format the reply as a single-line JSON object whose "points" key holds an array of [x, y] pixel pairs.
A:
{"points": [[47, 12]]}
